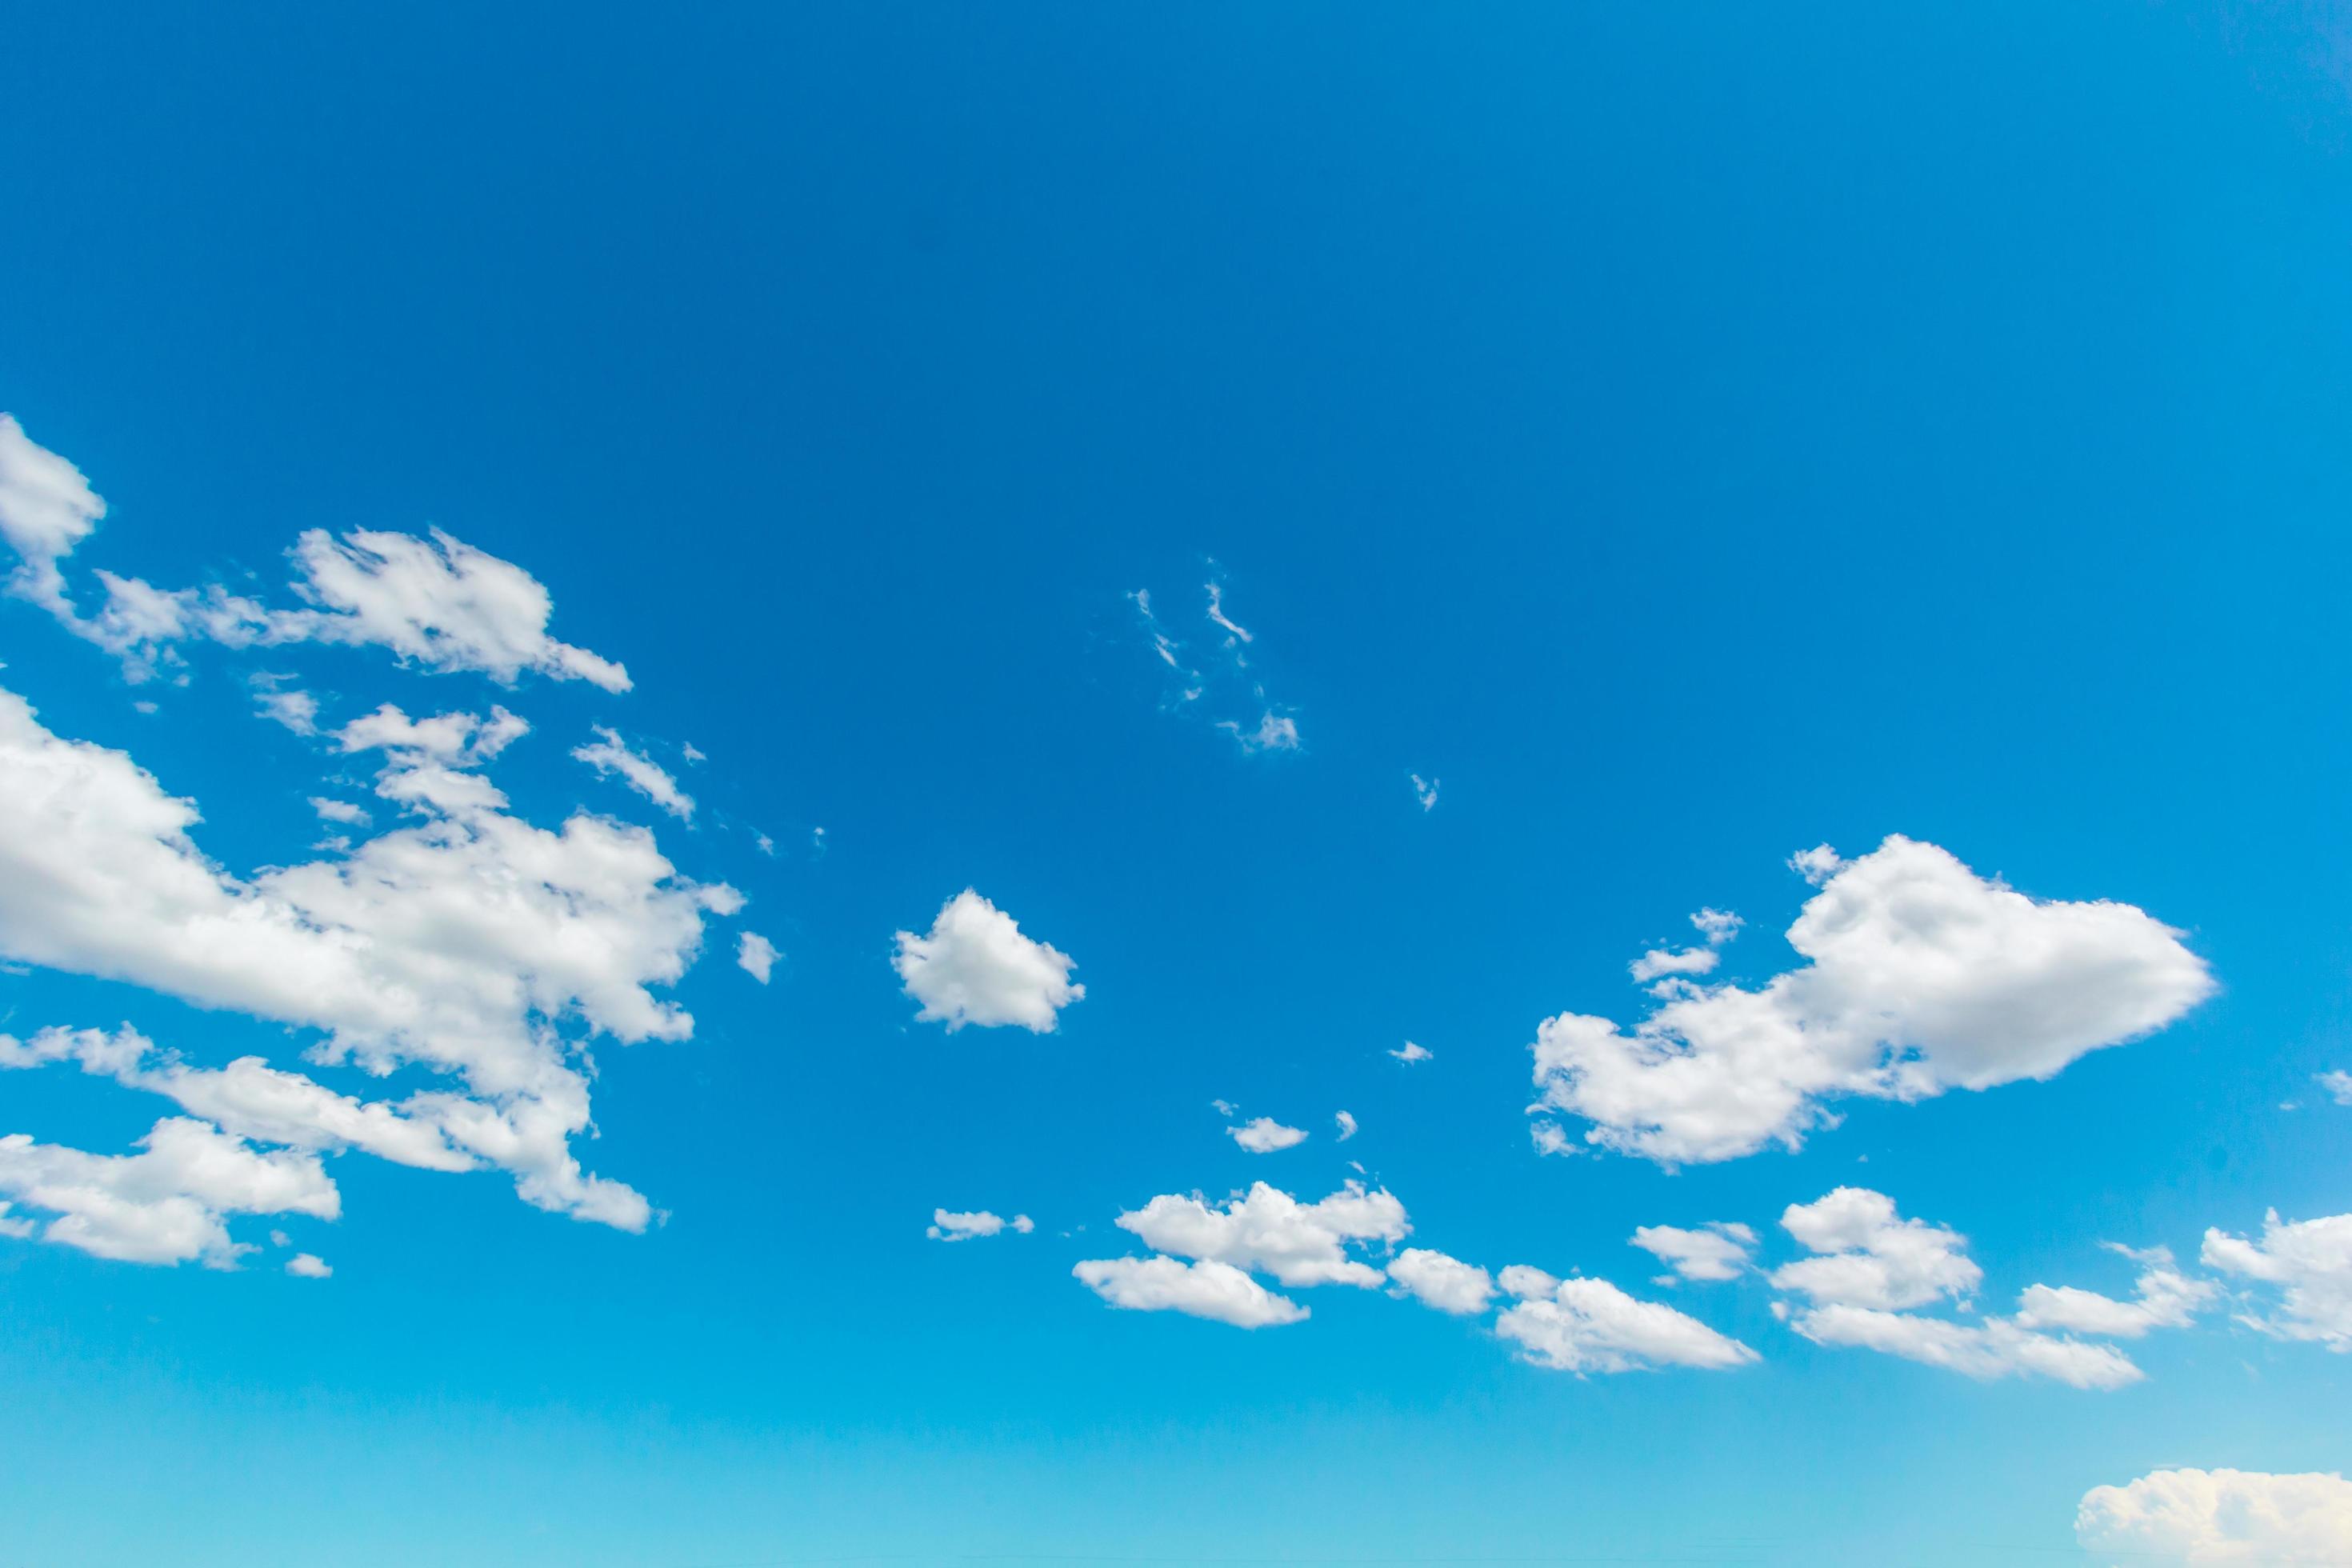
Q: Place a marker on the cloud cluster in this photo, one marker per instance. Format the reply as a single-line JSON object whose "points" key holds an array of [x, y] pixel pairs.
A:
{"points": [[2308, 1262], [948, 1225], [1923, 977], [1226, 679], [2220, 1516], [1583, 1325], [1717, 1251], [975, 967], [1263, 1231]]}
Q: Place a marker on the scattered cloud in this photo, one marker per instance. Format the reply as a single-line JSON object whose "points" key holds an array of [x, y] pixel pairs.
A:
{"points": [[46, 509], [1923, 977], [756, 955], [2310, 1264], [1816, 865], [1584, 1325], [340, 811], [1717, 1251], [308, 1265], [609, 754], [2220, 1516], [949, 1225], [1347, 1125], [282, 704], [1719, 926], [170, 1203], [1993, 1348], [1266, 1135], [2164, 1298], [1424, 791], [1218, 1291], [1267, 1231], [1448, 1284], [1686, 961], [2338, 1085], [1274, 733], [975, 967], [1868, 1257], [1224, 681], [1410, 1052]]}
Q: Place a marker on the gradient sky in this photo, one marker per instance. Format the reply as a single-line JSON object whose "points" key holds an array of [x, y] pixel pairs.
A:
{"points": [[1678, 437]]}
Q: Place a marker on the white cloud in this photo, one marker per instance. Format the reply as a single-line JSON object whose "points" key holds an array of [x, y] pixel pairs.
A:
{"points": [[1217, 612], [340, 811], [1424, 791], [1210, 1290], [756, 955], [1347, 1125], [608, 754], [46, 508], [2220, 1516], [458, 943], [1446, 1283], [1719, 1251], [168, 1203], [2338, 1085], [1274, 732], [1869, 1257], [1412, 1053], [1266, 1135], [1227, 685], [1661, 961], [1994, 1348], [1584, 1325], [947, 1224], [308, 1265], [1719, 926], [975, 967], [289, 706], [2310, 1262], [1270, 1232], [1923, 978], [1816, 865], [2165, 1299]]}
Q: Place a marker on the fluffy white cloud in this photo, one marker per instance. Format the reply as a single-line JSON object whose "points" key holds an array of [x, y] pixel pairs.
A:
{"points": [[1207, 1288], [2310, 1262], [1347, 1125], [975, 967], [308, 1266], [1869, 1257], [1585, 1325], [1661, 961], [1719, 1251], [1446, 1283], [46, 508], [1412, 1053], [609, 754], [289, 706], [1719, 926], [2338, 1086], [2220, 1516], [1994, 1348], [756, 955], [341, 811], [168, 1203], [1270, 1232], [947, 1224], [2164, 1298], [459, 943], [1923, 977], [1265, 1135]]}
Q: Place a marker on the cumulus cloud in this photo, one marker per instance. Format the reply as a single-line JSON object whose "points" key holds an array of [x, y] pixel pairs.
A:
{"points": [[1218, 1291], [1923, 977], [1266, 1231], [1991, 1348], [308, 1266], [609, 754], [458, 943], [339, 811], [1584, 1325], [1347, 1125], [1446, 1283], [1719, 926], [1717, 1251], [947, 1224], [2164, 1298], [2309, 1262], [2220, 1516], [46, 508], [1410, 1052], [755, 955], [1265, 1135], [1661, 961], [975, 967]]}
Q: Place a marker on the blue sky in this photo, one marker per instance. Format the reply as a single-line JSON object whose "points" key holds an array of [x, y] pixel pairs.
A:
{"points": [[1687, 438]]}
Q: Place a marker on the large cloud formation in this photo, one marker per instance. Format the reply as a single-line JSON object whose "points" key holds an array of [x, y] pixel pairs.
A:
{"points": [[2220, 1516], [1923, 977]]}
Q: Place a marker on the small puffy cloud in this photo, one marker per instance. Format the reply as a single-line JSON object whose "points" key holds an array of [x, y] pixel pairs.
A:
{"points": [[170, 1203], [947, 1224], [308, 1266], [609, 754], [1410, 1052], [1719, 926], [1923, 977], [1266, 1135], [289, 706], [1424, 791], [1816, 865], [1218, 1291], [1347, 1125], [2164, 1298], [2338, 1085], [1719, 1251], [1661, 961], [1584, 1325], [975, 967], [1446, 1283], [1273, 733], [340, 811], [1267, 1231], [1870, 1257], [46, 508], [1994, 1348], [2310, 1264], [756, 955], [2220, 1516]]}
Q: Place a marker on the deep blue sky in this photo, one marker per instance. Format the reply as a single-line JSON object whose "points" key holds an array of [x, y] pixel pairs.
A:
{"points": [[1689, 435]]}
